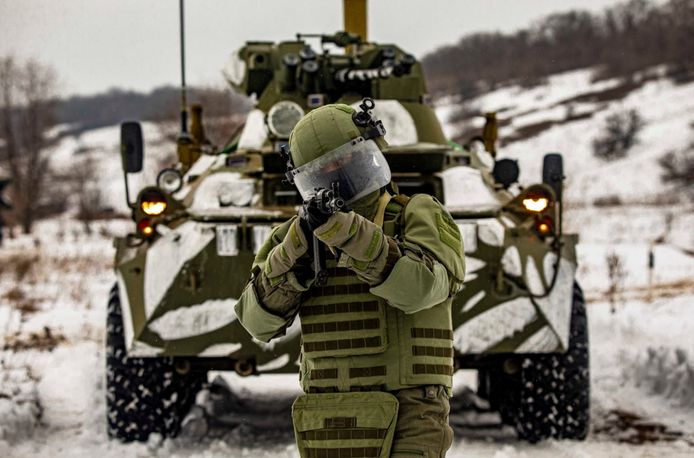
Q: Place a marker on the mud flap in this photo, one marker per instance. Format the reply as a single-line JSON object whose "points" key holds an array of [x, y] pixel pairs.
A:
{"points": [[335, 425]]}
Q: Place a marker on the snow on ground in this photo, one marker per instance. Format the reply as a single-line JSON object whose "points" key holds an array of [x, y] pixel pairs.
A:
{"points": [[642, 357]]}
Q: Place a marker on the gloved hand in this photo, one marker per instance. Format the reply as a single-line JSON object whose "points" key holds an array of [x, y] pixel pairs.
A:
{"points": [[312, 217], [353, 234], [284, 256]]}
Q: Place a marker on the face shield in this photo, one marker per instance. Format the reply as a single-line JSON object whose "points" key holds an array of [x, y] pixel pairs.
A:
{"points": [[358, 167]]}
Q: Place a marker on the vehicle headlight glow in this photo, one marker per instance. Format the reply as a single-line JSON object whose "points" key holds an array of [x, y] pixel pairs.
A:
{"points": [[536, 205], [153, 203], [282, 118]]}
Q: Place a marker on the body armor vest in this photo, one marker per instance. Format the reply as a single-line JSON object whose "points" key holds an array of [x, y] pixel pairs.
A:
{"points": [[353, 340]]}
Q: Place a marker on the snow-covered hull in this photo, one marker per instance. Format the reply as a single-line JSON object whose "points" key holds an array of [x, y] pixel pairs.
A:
{"points": [[178, 296], [511, 301]]}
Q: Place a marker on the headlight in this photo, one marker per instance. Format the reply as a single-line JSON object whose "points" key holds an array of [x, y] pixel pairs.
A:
{"points": [[282, 118], [535, 204], [170, 180], [153, 203], [536, 199]]}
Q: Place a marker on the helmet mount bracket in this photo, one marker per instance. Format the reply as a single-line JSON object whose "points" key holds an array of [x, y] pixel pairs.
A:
{"points": [[365, 118]]}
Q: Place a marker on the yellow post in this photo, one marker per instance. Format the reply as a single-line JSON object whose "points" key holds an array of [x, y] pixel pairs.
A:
{"points": [[354, 12]]}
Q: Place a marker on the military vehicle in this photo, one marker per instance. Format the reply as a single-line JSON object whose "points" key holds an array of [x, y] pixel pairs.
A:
{"points": [[520, 318]]}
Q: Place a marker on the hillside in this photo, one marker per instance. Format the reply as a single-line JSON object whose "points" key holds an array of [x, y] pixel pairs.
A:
{"points": [[566, 113], [620, 41]]}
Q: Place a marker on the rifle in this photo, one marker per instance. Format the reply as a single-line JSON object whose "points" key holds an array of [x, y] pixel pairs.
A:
{"points": [[328, 202]]}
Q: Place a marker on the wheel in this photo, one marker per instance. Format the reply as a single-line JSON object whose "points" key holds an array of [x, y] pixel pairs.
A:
{"points": [[554, 396], [550, 396], [501, 390], [577, 378], [143, 395]]}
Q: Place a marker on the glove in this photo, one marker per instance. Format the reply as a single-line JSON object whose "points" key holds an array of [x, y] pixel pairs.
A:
{"points": [[312, 215], [284, 256], [353, 234]]}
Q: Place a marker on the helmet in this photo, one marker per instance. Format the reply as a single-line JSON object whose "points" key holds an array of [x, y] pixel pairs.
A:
{"points": [[337, 145]]}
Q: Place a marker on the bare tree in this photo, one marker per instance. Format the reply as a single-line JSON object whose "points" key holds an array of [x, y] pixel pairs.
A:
{"points": [[84, 179], [27, 103], [620, 133], [616, 273]]}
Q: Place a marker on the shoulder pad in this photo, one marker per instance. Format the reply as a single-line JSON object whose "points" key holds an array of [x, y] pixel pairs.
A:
{"points": [[429, 225]]}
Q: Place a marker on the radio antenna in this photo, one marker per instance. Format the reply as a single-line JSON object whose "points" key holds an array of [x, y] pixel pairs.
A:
{"points": [[184, 100]]}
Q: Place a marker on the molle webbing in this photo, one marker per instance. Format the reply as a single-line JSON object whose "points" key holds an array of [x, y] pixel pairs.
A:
{"points": [[329, 309], [440, 352], [342, 318], [352, 388], [354, 342], [344, 434], [339, 272], [322, 374], [351, 452], [432, 333], [342, 344], [338, 290], [354, 325], [438, 369]]}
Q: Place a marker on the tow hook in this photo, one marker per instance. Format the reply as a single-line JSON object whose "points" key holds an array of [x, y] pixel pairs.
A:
{"points": [[244, 368], [182, 366]]}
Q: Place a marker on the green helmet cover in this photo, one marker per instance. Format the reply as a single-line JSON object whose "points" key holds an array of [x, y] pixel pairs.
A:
{"points": [[322, 130]]}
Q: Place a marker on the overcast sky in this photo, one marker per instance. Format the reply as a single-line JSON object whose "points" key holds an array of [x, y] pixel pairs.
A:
{"points": [[98, 44]]}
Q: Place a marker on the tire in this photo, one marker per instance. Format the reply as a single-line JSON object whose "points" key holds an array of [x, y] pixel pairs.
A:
{"points": [[550, 397], [143, 395], [554, 397], [501, 390]]}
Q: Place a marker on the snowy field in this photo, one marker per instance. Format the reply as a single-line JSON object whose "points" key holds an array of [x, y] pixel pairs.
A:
{"points": [[54, 287], [52, 398]]}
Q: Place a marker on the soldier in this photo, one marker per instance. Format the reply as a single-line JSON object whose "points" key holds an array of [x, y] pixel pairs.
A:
{"points": [[377, 356]]}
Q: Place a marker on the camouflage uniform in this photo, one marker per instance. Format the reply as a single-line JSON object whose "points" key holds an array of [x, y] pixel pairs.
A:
{"points": [[377, 352]]}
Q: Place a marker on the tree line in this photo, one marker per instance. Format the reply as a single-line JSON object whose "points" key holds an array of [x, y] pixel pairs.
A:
{"points": [[623, 39], [161, 104]]}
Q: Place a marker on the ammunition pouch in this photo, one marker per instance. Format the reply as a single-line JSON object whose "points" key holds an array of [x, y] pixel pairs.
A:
{"points": [[335, 425]]}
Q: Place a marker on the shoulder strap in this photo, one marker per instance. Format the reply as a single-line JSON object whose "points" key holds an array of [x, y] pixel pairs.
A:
{"points": [[402, 199], [383, 202], [394, 214]]}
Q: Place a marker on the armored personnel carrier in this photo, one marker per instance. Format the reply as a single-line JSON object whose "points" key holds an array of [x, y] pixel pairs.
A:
{"points": [[520, 318]]}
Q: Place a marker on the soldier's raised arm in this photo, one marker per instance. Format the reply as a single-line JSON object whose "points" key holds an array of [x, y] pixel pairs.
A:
{"points": [[270, 300], [422, 268]]}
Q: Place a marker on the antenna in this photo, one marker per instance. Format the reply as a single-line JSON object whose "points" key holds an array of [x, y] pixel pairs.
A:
{"points": [[184, 100]]}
